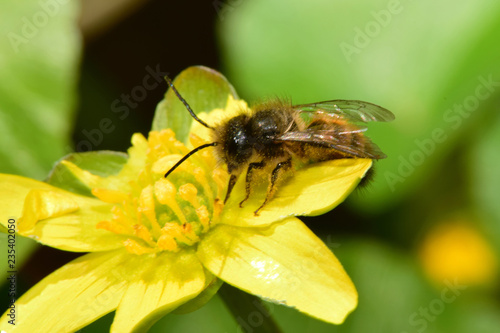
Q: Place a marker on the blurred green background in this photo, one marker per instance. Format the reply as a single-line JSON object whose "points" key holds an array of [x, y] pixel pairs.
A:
{"points": [[421, 243]]}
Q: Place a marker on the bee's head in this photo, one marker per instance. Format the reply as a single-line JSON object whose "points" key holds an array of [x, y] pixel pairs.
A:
{"points": [[235, 144]]}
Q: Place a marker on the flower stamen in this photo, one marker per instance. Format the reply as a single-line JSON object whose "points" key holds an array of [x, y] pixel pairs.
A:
{"points": [[158, 213], [189, 193]]}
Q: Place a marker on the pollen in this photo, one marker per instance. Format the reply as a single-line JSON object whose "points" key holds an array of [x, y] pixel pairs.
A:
{"points": [[220, 178], [134, 247], [113, 226], [189, 193], [147, 203], [165, 163], [143, 233], [154, 213], [164, 191], [110, 196], [168, 243], [204, 217]]}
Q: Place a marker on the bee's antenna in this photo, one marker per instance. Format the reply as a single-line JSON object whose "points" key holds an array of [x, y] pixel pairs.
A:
{"points": [[188, 155], [185, 103]]}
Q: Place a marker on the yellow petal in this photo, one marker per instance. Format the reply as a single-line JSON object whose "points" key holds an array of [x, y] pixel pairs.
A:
{"points": [[213, 284], [165, 281], [285, 263], [56, 217], [13, 190], [120, 182], [73, 296], [135, 163], [312, 190], [44, 204], [78, 231]]}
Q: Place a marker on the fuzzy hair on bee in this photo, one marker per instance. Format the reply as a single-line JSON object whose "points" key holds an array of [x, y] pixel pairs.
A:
{"points": [[276, 135]]}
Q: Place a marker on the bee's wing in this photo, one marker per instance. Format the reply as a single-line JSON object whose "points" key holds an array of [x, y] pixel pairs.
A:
{"points": [[332, 139], [356, 111]]}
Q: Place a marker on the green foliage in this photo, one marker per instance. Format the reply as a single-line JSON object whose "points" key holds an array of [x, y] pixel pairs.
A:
{"points": [[483, 160], [395, 298], [39, 57], [424, 61], [435, 65], [39, 62]]}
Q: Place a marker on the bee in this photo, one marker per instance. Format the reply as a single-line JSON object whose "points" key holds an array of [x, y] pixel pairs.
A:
{"points": [[278, 134]]}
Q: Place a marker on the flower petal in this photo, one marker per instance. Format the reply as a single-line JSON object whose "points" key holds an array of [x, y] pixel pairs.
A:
{"points": [[163, 282], [13, 190], [103, 163], [73, 296], [120, 181], [312, 190], [203, 88], [56, 217], [213, 283], [77, 230], [44, 204], [285, 263]]}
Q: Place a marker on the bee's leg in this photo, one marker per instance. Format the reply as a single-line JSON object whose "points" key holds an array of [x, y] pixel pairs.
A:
{"points": [[232, 181], [280, 167], [248, 180]]}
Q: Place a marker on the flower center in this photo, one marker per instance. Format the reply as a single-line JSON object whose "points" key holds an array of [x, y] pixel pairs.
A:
{"points": [[164, 214]]}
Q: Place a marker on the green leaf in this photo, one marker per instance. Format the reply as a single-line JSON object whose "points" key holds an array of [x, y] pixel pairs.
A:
{"points": [[102, 163], [38, 66], [215, 313], [382, 275], [416, 58], [204, 89], [485, 179]]}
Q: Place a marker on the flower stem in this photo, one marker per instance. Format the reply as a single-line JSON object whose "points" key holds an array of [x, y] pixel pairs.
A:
{"points": [[249, 311]]}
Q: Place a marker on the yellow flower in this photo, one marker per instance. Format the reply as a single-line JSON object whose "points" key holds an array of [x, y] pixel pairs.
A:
{"points": [[157, 244], [455, 250]]}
